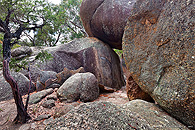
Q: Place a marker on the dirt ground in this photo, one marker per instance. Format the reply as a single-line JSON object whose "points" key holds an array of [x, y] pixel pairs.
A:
{"points": [[8, 109]]}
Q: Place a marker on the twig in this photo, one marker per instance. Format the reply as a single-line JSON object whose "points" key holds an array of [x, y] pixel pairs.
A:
{"points": [[132, 126]]}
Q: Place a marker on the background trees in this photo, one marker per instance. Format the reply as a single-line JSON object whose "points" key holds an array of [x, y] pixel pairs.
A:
{"points": [[63, 24]]}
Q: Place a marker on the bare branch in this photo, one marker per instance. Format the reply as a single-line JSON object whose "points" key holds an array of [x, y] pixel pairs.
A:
{"points": [[75, 25], [71, 28], [57, 38], [29, 37], [81, 29]]}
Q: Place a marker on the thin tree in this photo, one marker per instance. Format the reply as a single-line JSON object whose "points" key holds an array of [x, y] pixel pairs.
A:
{"points": [[11, 37]]}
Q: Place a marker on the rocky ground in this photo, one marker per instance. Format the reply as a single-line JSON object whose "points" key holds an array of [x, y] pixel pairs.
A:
{"points": [[37, 111]]}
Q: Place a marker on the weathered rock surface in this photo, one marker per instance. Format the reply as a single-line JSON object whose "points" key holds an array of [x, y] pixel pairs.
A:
{"points": [[35, 72], [66, 73], [37, 97], [135, 92], [21, 52], [81, 86], [91, 54], [106, 19], [42, 117], [48, 103], [62, 110], [136, 114], [23, 84], [44, 79], [158, 46]]}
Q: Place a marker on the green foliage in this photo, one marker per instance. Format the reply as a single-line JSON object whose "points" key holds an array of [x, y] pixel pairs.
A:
{"points": [[43, 56], [64, 24], [62, 21], [119, 52], [16, 46]]}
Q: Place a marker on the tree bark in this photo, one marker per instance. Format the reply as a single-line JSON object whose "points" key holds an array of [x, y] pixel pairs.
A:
{"points": [[22, 115]]}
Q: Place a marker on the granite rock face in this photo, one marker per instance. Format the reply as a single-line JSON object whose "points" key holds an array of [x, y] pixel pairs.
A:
{"points": [[91, 54], [66, 73], [43, 81], [106, 19], [81, 86], [135, 92], [21, 52], [159, 50], [137, 114], [23, 84], [37, 97]]}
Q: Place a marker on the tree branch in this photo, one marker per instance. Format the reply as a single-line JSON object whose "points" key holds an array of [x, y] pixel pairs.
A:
{"points": [[57, 38], [71, 28], [1, 23], [29, 36], [4, 27], [18, 32], [2, 30], [81, 29], [8, 16], [35, 26], [16, 20]]}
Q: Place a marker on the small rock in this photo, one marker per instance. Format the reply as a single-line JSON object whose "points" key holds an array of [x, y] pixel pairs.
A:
{"points": [[62, 110], [53, 86], [48, 121], [45, 79], [23, 50], [52, 97], [48, 103], [37, 97], [66, 73], [56, 89], [41, 117], [25, 127], [33, 126], [81, 86]]}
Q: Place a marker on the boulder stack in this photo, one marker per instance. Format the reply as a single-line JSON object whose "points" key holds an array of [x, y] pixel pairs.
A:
{"points": [[106, 19]]}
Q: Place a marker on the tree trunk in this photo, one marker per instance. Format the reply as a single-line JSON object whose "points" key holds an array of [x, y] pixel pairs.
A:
{"points": [[22, 115]]}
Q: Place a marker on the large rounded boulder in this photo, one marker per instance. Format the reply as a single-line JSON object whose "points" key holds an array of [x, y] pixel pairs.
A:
{"points": [[158, 46], [106, 19], [83, 86]]}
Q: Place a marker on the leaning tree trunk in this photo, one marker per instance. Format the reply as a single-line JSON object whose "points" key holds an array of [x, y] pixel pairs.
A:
{"points": [[22, 115]]}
